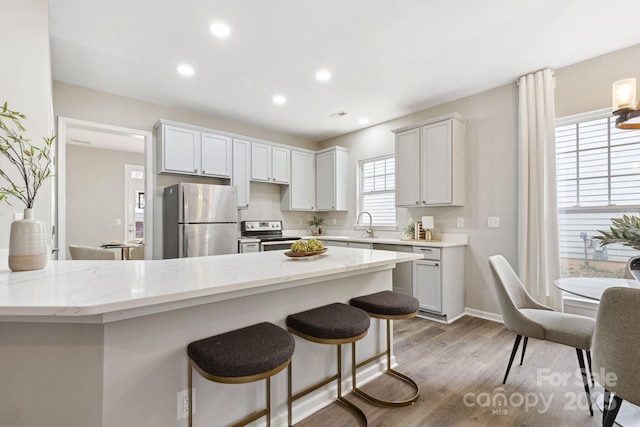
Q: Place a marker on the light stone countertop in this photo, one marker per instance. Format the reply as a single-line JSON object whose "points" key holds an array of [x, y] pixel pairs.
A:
{"points": [[105, 291], [449, 240]]}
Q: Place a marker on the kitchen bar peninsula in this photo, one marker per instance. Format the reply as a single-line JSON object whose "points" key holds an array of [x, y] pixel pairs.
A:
{"points": [[103, 343]]}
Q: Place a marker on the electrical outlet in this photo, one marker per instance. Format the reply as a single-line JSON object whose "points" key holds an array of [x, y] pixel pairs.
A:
{"points": [[183, 403], [493, 222], [460, 222], [335, 221]]}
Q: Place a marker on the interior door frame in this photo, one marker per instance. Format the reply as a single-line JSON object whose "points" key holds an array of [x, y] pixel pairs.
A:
{"points": [[60, 180]]}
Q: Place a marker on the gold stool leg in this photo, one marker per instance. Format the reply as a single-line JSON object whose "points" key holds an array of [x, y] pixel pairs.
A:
{"points": [[341, 398], [190, 382], [389, 371]]}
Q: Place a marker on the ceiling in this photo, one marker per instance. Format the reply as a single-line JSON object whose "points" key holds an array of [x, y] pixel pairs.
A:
{"points": [[387, 58], [91, 137]]}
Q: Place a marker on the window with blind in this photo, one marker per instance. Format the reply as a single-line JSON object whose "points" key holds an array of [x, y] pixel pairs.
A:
{"points": [[598, 178], [377, 190], [598, 164]]}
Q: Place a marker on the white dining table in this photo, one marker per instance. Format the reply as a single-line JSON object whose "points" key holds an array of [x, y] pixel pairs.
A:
{"points": [[592, 288]]}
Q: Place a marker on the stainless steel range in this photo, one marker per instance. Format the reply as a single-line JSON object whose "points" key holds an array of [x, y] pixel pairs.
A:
{"points": [[269, 233]]}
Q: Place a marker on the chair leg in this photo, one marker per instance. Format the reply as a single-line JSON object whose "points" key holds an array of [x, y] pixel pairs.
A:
{"points": [[583, 370], [593, 381], [605, 404], [524, 348], [513, 355], [612, 413]]}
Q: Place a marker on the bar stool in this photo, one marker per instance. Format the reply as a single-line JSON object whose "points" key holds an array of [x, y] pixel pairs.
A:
{"points": [[241, 356], [335, 324], [390, 306]]}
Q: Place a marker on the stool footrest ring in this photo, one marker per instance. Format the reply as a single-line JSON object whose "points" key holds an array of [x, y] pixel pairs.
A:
{"points": [[400, 376]]}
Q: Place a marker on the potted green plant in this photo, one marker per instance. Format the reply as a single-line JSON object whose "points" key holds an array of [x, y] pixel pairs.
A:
{"points": [[32, 167], [410, 230], [315, 225], [625, 230]]}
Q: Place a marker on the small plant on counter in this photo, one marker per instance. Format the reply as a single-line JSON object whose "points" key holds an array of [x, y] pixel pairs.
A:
{"points": [[315, 224], [410, 230]]}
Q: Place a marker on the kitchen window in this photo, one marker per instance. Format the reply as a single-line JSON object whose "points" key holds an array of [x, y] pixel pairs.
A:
{"points": [[377, 191], [598, 178]]}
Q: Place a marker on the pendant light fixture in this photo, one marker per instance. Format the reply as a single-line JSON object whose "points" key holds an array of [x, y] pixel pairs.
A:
{"points": [[625, 104]]}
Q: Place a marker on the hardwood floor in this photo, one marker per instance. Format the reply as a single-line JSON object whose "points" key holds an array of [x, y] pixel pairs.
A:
{"points": [[459, 368]]}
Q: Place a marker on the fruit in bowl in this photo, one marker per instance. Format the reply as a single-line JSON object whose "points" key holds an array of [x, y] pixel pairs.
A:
{"points": [[299, 246], [314, 245]]}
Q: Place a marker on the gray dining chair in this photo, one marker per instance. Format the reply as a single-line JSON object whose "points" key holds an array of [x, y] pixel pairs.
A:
{"points": [[89, 252], [529, 319], [616, 341]]}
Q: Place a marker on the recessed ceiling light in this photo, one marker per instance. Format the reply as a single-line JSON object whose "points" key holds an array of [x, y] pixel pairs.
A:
{"points": [[185, 70], [279, 99], [363, 121], [323, 75], [220, 29]]}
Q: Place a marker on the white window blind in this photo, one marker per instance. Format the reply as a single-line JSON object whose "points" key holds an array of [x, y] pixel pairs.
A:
{"points": [[377, 190], [598, 178], [597, 164]]}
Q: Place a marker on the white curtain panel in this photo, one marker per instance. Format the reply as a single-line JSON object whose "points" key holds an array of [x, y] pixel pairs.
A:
{"points": [[538, 254]]}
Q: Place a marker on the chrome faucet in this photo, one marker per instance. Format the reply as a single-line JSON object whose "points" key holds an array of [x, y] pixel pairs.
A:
{"points": [[370, 229]]}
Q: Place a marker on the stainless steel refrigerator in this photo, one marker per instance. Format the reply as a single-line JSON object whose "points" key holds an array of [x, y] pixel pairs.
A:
{"points": [[199, 220]]}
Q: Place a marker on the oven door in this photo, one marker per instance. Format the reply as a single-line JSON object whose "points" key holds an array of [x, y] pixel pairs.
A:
{"points": [[276, 245]]}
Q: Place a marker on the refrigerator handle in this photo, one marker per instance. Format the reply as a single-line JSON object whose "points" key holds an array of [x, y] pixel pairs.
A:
{"points": [[184, 206], [185, 246]]}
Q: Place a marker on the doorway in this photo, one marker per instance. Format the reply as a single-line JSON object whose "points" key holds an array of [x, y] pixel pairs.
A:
{"points": [[75, 139]]}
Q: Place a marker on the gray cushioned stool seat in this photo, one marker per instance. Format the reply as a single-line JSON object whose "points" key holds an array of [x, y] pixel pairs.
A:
{"points": [[244, 352], [333, 321], [387, 303]]}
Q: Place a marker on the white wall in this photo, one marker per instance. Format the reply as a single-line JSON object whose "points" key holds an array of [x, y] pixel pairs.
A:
{"points": [[25, 83], [96, 204]]}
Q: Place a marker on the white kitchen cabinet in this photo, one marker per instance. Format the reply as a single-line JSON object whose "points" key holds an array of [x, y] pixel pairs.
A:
{"points": [[270, 163], [180, 149], [430, 163], [216, 155], [438, 282], [241, 166], [332, 167], [190, 151], [300, 194]]}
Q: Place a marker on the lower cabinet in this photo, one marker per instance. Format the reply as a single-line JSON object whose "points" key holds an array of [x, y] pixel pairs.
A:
{"points": [[438, 282], [343, 244]]}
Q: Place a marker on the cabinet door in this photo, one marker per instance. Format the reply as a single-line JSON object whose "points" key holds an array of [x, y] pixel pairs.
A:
{"points": [[436, 163], [280, 165], [260, 162], [181, 149], [408, 168], [303, 181], [215, 155], [426, 285], [326, 181], [240, 176]]}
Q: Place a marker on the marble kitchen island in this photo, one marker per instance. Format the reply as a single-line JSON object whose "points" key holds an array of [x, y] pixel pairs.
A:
{"points": [[102, 343]]}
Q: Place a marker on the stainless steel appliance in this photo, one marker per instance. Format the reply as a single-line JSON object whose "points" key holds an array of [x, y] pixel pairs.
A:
{"points": [[269, 233], [199, 220]]}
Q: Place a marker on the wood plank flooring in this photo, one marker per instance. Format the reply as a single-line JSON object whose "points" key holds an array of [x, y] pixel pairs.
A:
{"points": [[459, 369]]}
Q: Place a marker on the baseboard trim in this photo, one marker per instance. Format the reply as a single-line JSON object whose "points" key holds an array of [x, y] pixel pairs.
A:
{"points": [[483, 315]]}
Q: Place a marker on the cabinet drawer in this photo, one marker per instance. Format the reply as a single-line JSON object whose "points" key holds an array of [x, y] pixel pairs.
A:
{"points": [[428, 253]]}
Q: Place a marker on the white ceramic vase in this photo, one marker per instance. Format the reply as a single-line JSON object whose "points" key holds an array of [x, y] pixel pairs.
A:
{"points": [[27, 244]]}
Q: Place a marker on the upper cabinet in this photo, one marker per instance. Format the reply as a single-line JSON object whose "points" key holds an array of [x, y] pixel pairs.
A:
{"points": [[332, 166], [193, 152], [270, 163], [300, 194], [241, 170], [430, 163]]}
